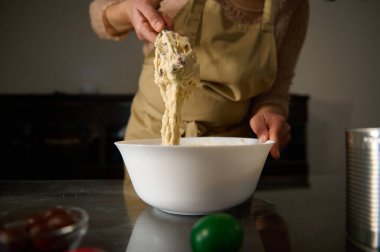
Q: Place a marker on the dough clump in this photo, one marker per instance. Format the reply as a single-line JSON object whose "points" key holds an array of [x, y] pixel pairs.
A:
{"points": [[176, 72]]}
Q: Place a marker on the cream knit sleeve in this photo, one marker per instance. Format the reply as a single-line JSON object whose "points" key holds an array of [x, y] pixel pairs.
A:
{"points": [[287, 58], [99, 21]]}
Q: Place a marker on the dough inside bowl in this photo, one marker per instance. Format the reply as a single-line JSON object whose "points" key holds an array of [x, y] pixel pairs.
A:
{"points": [[216, 141]]}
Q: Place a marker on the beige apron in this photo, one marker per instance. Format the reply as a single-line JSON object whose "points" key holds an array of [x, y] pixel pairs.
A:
{"points": [[238, 61]]}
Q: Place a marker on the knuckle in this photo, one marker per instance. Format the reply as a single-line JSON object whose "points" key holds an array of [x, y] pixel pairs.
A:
{"points": [[281, 119], [153, 18], [252, 120], [139, 34]]}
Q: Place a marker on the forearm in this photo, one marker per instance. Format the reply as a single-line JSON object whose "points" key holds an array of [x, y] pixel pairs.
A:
{"points": [[276, 101], [105, 24], [117, 18], [278, 96], [271, 108]]}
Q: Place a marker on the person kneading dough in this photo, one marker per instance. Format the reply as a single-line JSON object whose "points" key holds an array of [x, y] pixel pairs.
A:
{"points": [[247, 52]]}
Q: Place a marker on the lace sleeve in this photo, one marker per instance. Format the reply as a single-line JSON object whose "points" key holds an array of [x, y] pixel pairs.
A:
{"points": [[287, 59], [99, 22]]}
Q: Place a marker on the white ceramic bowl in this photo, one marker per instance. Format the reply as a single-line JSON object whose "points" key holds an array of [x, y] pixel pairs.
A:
{"points": [[199, 176]]}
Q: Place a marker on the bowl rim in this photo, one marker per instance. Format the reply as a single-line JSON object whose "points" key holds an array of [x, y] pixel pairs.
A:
{"points": [[156, 143]]}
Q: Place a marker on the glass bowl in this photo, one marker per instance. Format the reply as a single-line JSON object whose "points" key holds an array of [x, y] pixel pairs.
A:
{"points": [[58, 228]]}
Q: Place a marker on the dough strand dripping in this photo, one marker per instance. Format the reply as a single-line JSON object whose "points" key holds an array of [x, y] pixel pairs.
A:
{"points": [[176, 72]]}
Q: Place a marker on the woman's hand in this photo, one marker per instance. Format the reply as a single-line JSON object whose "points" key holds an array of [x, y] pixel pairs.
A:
{"points": [[142, 14], [269, 124]]}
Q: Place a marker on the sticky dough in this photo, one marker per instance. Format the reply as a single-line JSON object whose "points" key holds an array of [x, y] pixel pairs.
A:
{"points": [[176, 72]]}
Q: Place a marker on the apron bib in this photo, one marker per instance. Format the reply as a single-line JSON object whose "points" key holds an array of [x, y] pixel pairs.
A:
{"points": [[238, 61]]}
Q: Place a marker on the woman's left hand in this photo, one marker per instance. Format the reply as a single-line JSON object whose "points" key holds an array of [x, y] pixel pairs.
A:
{"points": [[269, 124]]}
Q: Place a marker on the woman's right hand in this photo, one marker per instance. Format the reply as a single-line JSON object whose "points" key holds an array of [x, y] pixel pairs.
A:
{"points": [[142, 14]]}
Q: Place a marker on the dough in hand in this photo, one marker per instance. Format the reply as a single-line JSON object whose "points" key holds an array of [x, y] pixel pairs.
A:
{"points": [[176, 72]]}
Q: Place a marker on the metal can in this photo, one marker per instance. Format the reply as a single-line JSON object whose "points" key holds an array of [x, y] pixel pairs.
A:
{"points": [[363, 186]]}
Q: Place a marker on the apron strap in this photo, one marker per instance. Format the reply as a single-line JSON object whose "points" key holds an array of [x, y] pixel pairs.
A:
{"points": [[268, 15], [194, 20]]}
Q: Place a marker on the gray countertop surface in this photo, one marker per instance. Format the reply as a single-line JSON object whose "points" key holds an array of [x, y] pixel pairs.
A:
{"points": [[306, 218]]}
